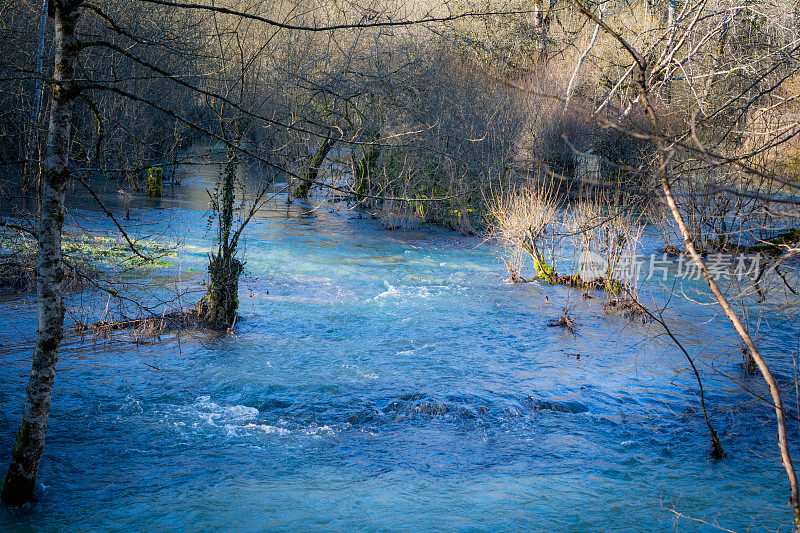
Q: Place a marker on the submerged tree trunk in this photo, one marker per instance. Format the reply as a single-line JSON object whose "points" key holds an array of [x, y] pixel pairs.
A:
{"points": [[218, 307], [310, 175], [20, 479], [741, 330], [722, 300], [364, 170], [772, 385]]}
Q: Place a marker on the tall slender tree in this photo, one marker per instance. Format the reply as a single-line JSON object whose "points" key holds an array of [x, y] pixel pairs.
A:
{"points": [[20, 480]]}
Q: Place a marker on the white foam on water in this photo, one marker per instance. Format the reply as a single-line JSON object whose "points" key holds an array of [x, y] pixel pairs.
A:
{"points": [[213, 413], [360, 373], [390, 291], [240, 431], [425, 292], [131, 406], [241, 421], [266, 428], [325, 430]]}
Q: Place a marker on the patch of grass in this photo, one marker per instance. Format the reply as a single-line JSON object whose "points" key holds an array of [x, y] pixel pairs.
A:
{"points": [[106, 251], [87, 254]]}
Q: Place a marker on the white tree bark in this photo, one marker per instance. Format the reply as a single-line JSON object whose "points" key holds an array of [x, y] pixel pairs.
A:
{"points": [[581, 59], [20, 479]]}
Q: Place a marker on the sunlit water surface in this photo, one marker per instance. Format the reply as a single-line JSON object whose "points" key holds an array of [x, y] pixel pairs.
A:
{"points": [[383, 380]]}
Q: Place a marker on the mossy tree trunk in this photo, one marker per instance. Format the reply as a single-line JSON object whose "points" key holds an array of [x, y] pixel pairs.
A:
{"points": [[543, 270], [311, 173], [20, 479], [365, 169], [218, 307], [155, 181]]}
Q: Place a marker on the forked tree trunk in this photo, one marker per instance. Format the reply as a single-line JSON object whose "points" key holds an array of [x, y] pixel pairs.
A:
{"points": [[20, 479]]}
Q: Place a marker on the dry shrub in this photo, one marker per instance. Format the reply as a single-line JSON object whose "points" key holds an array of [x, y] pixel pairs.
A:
{"points": [[606, 226], [524, 220], [143, 330], [533, 222]]}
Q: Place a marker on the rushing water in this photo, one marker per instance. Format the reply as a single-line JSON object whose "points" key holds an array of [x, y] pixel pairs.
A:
{"points": [[385, 380]]}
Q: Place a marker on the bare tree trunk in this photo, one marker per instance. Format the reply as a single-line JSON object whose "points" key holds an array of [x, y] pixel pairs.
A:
{"points": [[774, 390], [20, 479], [38, 93], [581, 59], [671, 7]]}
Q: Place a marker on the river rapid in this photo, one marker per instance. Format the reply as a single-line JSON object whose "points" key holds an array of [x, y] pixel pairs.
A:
{"points": [[391, 381]]}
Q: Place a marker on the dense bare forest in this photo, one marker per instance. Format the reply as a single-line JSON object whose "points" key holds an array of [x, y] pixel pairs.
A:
{"points": [[414, 192]]}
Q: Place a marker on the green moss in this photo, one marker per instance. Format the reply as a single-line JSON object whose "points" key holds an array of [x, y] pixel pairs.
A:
{"points": [[543, 270], [87, 253], [311, 173], [218, 307], [366, 168], [107, 251], [613, 286]]}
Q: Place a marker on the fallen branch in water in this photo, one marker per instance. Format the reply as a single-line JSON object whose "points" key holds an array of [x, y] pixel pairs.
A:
{"points": [[564, 321], [716, 450], [146, 328]]}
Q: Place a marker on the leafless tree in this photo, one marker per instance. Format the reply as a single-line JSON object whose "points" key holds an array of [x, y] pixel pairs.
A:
{"points": [[132, 73], [704, 117]]}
